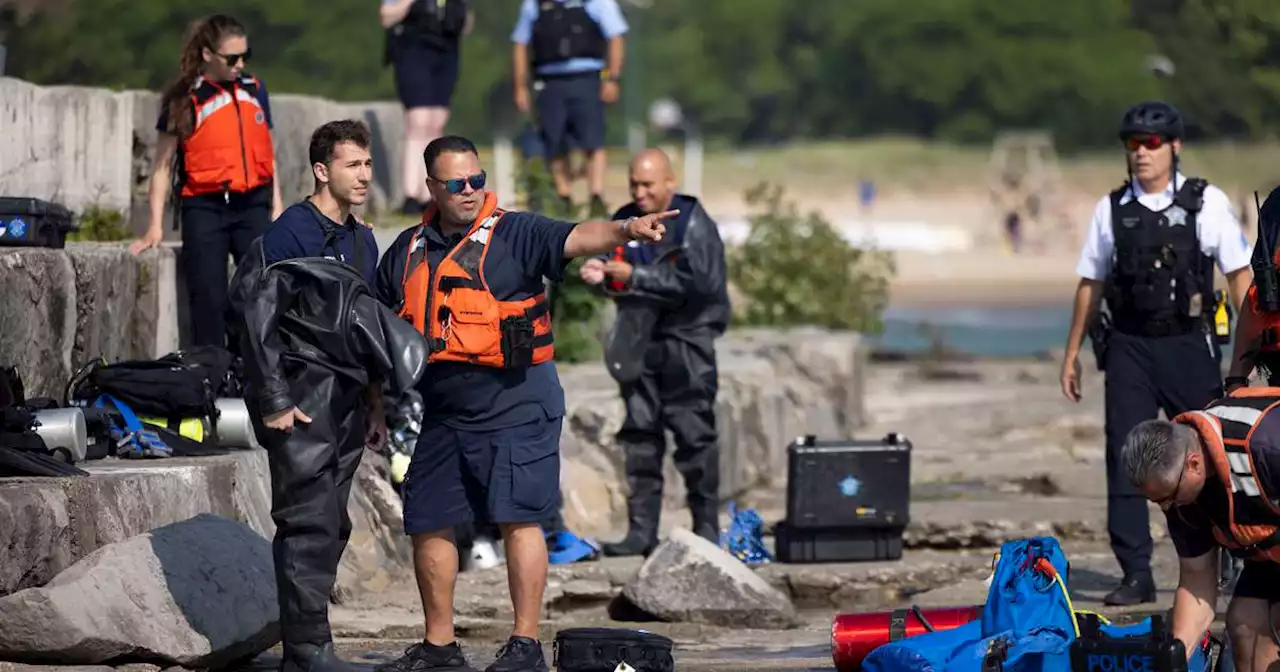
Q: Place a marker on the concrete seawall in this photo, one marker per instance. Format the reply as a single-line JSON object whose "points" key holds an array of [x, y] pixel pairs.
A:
{"points": [[88, 147]]}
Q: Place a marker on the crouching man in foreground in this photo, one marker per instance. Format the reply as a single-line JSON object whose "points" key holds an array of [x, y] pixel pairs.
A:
{"points": [[1216, 473], [317, 348]]}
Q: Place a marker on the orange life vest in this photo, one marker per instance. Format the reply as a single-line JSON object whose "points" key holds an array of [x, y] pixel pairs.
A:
{"points": [[1234, 430], [458, 313], [230, 148]]}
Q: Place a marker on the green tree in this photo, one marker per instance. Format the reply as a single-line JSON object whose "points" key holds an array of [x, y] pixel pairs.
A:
{"points": [[1226, 57]]}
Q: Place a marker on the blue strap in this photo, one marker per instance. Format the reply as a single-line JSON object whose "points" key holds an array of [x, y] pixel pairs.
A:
{"points": [[133, 440], [565, 547], [744, 538]]}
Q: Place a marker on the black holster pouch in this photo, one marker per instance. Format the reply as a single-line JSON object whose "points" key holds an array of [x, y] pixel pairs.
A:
{"points": [[1099, 334], [603, 649], [517, 341]]}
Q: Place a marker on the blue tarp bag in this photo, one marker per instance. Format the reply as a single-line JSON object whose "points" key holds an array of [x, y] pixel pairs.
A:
{"points": [[1027, 623], [1029, 588], [929, 652], [1012, 651]]}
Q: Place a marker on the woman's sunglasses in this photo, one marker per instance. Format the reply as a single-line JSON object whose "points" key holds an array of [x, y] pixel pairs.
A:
{"points": [[1152, 142], [459, 185], [233, 60]]}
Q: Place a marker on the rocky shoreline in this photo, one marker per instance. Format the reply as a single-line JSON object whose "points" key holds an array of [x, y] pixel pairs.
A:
{"points": [[997, 454]]}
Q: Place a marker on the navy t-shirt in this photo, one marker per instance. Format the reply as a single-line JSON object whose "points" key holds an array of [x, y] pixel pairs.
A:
{"points": [[301, 232], [525, 248], [205, 89]]}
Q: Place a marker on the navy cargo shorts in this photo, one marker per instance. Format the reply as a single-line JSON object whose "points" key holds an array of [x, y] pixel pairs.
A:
{"points": [[508, 475], [570, 113]]}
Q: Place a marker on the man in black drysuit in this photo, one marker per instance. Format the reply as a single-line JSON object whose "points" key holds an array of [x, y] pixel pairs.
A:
{"points": [[318, 348], [672, 304], [1150, 252]]}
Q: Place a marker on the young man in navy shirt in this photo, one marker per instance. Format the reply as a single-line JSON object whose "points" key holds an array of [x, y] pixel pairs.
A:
{"points": [[489, 448], [321, 225], [310, 469]]}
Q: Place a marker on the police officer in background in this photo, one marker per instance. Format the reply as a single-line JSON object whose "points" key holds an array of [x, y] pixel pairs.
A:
{"points": [[672, 305], [1150, 252], [422, 45], [577, 48]]}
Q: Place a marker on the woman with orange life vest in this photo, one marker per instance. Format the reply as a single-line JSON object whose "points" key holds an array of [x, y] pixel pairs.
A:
{"points": [[1216, 473], [470, 277], [216, 118]]}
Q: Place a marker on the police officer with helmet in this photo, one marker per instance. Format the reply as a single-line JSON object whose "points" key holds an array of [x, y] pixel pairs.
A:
{"points": [[1149, 253]]}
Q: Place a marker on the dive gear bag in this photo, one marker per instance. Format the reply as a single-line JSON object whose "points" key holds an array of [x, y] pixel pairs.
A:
{"points": [[608, 649]]}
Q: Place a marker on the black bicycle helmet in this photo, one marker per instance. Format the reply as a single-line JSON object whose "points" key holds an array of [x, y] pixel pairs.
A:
{"points": [[1152, 118]]}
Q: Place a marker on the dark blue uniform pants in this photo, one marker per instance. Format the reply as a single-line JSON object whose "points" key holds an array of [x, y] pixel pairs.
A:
{"points": [[214, 227], [1144, 376]]}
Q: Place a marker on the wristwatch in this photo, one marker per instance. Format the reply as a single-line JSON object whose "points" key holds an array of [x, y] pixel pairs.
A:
{"points": [[625, 225], [1229, 381]]}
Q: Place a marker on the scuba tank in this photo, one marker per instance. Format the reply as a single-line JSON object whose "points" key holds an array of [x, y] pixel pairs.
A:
{"points": [[854, 636]]}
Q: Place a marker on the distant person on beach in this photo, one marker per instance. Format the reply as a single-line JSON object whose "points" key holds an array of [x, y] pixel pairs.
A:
{"points": [[216, 120], [423, 42], [1150, 252]]}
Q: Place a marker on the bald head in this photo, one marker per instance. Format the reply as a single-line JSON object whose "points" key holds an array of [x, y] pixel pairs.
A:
{"points": [[653, 182]]}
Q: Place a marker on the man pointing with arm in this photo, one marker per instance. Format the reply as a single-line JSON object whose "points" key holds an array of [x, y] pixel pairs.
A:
{"points": [[470, 278]]}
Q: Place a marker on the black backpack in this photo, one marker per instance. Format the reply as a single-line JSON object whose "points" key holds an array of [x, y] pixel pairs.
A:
{"points": [[183, 384], [602, 649]]}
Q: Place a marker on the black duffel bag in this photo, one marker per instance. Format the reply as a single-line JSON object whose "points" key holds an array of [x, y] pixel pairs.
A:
{"points": [[604, 649], [183, 384]]}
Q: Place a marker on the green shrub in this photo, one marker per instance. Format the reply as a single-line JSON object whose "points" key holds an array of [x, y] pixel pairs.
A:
{"points": [[99, 224], [796, 269], [575, 308]]}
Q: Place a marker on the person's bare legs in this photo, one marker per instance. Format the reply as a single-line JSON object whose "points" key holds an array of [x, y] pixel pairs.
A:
{"points": [[526, 574], [597, 166], [421, 126], [435, 564], [562, 176]]}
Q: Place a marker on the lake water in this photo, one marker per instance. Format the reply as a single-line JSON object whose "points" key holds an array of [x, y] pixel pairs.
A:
{"points": [[981, 331], [977, 331]]}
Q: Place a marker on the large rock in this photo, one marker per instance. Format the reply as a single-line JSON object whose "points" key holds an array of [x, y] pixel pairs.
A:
{"points": [[199, 593], [48, 524], [62, 308], [688, 578], [38, 311]]}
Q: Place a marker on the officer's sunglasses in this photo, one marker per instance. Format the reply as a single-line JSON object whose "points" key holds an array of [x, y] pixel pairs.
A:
{"points": [[234, 59], [1152, 142], [459, 185]]}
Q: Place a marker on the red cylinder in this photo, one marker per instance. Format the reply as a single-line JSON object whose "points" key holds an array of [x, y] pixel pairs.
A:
{"points": [[853, 636]]}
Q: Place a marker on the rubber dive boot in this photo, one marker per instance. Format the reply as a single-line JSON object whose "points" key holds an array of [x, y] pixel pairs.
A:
{"points": [[642, 529], [312, 658], [706, 521]]}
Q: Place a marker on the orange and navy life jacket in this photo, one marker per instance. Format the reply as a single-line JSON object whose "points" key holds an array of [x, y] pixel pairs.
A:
{"points": [[458, 313], [229, 149], [1241, 434]]}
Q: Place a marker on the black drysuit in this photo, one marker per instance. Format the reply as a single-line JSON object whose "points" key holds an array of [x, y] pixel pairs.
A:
{"points": [[661, 351], [313, 336]]}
